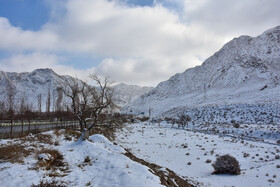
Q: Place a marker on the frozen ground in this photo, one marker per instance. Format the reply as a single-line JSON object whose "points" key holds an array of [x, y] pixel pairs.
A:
{"points": [[97, 162], [186, 152]]}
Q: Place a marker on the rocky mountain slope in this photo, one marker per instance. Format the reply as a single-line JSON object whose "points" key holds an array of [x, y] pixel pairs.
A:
{"points": [[245, 70], [42, 81]]}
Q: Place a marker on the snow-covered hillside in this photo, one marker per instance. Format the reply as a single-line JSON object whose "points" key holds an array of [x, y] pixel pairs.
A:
{"points": [[125, 94], [40, 81], [246, 70], [30, 85]]}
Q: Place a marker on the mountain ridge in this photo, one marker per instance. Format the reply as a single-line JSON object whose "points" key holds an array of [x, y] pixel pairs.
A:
{"points": [[40, 81], [244, 70]]}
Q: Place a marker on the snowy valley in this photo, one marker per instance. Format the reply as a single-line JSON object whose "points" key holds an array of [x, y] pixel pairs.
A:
{"points": [[233, 104]]}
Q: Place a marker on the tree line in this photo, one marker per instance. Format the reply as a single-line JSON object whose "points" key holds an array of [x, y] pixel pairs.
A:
{"points": [[85, 103]]}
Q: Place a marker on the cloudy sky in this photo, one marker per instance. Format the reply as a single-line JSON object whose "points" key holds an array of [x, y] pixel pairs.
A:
{"points": [[133, 41]]}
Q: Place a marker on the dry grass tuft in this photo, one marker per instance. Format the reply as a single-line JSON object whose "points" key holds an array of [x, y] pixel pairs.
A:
{"points": [[52, 183], [39, 137], [71, 133], [54, 162], [14, 153]]}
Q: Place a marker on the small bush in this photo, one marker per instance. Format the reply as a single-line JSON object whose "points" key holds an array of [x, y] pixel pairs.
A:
{"points": [[246, 155], [87, 160], [143, 119], [52, 183], [236, 125], [226, 164], [208, 161]]}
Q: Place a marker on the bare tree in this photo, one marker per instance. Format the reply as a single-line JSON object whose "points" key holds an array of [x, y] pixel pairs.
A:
{"points": [[59, 100], [29, 115], [183, 120], [87, 102], [11, 92], [48, 102], [22, 109], [2, 109], [39, 97], [150, 113]]}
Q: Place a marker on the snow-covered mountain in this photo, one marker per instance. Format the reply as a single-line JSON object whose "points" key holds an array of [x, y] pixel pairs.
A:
{"points": [[245, 70], [41, 81], [29, 85], [125, 94]]}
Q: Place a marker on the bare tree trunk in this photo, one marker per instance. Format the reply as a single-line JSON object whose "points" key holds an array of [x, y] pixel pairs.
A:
{"points": [[39, 103], [48, 102], [21, 127], [84, 135], [11, 128]]}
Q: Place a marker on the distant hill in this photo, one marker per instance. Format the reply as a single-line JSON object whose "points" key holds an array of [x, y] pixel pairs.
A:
{"points": [[41, 81], [125, 94]]}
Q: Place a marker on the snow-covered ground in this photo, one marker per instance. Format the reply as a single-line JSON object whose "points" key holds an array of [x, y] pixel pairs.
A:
{"points": [[185, 152], [96, 162]]}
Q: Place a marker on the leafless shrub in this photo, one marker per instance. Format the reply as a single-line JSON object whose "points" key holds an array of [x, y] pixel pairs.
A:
{"points": [[208, 161], [226, 164], [183, 120], [236, 125], [246, 155], [87, 160], [143, 119], [52, 183]]}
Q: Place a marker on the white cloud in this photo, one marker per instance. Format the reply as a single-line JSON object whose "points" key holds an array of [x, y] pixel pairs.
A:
{"points": [[27, 62], [143, 71], [14, 38], [141, 40], [233, 17], [30, 61], [139, 45]]}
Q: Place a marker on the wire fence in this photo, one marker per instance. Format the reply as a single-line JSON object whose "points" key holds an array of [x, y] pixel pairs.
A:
{"points": [[23, 128]]}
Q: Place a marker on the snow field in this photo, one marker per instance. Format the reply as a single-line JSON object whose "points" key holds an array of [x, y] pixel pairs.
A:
{"points": [[186, 153], [89, 163]]}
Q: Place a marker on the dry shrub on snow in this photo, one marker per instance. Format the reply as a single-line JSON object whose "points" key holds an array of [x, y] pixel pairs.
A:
{"points": [[52, 183], [226, 164]]}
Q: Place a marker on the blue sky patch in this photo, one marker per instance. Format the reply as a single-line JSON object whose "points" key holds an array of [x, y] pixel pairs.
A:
{"points": [[27, 14]]}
